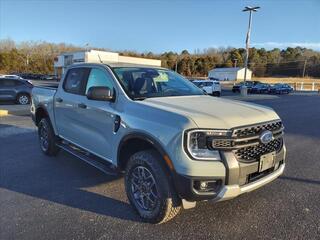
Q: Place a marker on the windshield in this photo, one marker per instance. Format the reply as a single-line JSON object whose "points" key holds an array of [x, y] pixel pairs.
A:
{"points": [[141, 83]]}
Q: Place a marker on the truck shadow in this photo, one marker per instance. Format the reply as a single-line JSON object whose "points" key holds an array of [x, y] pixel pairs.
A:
{"points": [[63, 179], [303, 180]]}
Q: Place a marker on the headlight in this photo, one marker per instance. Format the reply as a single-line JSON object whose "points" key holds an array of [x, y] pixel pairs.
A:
{"points": [[199, 143]]}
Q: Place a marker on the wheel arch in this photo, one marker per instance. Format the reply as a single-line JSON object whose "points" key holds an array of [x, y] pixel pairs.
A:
{"points": [[18, 94], [21, 93], [134, 142], [40, 113]]}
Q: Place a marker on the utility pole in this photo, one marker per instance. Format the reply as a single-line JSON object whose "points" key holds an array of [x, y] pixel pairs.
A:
{"points": [[304, 68], [250, 10], [176, 68]]}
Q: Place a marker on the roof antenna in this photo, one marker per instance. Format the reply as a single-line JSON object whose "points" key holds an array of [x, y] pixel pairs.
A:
{"points": [[100, 58]]}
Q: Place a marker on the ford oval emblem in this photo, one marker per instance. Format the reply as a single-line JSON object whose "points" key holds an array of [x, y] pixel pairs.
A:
{"points": [[266, 137]]}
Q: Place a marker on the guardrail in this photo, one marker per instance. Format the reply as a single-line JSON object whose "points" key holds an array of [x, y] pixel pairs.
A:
{"points": [[305, 86], [297, 86]]}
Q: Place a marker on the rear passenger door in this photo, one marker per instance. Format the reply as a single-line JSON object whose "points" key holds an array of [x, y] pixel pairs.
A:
{"points": [[68, 108]]}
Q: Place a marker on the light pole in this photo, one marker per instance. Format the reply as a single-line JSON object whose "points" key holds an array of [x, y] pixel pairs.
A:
{"points": [[250, 10]]}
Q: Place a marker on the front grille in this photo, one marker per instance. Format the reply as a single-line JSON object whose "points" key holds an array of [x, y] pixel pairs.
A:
{"points": [[253, 153], [221, 143], [256, 129], [248, 148], [245, 141]]}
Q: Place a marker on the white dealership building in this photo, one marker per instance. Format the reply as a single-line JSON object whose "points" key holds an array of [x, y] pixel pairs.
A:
{"points": [[229, 74], [62, 61]]}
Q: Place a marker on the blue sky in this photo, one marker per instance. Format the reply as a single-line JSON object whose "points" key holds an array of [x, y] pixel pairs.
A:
{"points": [[160, 26]]}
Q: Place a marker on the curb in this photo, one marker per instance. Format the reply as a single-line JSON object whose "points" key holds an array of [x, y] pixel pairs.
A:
{"points": [[23, 112]]}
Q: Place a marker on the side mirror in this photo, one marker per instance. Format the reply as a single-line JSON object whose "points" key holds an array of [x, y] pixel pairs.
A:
{"points": [[100, 94]]}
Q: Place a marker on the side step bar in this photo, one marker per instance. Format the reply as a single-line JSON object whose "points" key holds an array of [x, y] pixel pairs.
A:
{"points": [[89, 158]]}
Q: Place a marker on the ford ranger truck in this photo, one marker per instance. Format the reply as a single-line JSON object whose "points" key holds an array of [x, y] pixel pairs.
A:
{"points": [[174, 144]]}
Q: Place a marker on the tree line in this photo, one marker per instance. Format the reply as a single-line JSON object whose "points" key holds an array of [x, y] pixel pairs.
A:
{"points": [[38, 57]]}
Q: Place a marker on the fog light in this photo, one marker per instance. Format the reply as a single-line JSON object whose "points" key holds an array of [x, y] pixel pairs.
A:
{"points": [[206, 186], [203, 185]]}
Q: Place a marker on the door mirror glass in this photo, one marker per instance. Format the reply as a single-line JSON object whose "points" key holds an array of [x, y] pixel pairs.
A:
{"points": [[100, 94]]}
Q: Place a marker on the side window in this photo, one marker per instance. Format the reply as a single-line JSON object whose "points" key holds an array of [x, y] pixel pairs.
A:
{"points": [[76, 80], [18, 83], [99, 78], [8, 83]]}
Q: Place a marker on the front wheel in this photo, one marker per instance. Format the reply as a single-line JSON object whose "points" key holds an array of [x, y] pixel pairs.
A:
{"points": [[149, 189], [47, 138]]}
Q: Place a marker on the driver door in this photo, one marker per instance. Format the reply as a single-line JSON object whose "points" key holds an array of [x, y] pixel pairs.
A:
{"points": [[99, 117]]}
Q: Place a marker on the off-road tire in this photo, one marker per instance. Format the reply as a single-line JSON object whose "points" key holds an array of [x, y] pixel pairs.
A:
{"points": [[168, 204], [50, 149]]}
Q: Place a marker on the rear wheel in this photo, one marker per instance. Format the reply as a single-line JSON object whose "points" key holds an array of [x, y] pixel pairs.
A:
{"points": [[23, 99], [149, 189], [47, 138], [217, 94]]}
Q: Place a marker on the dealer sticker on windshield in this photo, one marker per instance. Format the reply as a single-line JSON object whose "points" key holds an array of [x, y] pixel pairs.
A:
{"points": [[267, 161]]}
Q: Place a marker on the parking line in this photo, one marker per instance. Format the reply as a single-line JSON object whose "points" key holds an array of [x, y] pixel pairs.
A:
{"points": [[4, 113]]}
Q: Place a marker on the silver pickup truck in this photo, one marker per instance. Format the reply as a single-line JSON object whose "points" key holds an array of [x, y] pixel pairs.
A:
{"points": [[174, 144]]}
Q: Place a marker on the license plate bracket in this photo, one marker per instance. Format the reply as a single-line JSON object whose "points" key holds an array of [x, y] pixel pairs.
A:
{"points": [[267, 161]]}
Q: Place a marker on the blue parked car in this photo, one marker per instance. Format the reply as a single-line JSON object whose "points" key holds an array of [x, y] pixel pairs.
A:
{"points": [[18, 90], [261, 88], [281, 88]]}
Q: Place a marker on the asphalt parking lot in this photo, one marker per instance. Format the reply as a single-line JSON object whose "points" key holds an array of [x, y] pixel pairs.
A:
{"points": [[64, 198]]}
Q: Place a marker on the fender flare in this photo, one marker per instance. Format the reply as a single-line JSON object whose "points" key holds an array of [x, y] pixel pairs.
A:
{"points": [[150, 139]]}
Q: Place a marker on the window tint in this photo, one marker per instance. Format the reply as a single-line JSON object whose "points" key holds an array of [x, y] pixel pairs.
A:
{"points": [[7, 83], [99, 78], [76, 80]]}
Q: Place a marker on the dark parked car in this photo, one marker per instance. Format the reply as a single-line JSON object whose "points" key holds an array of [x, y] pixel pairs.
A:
{"points": [[261, 88], [248, 84], [280, 88], [15, 90], [49, 77]]}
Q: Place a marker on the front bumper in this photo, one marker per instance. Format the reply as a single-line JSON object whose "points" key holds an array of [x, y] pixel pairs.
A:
{"points": [[239, 178], [231, 191]]}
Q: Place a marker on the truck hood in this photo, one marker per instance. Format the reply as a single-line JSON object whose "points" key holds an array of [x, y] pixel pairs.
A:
{"points": [[212, 112]]}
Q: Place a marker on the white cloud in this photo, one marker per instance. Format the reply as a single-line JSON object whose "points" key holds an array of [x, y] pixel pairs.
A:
{"points": [[312, 45]]}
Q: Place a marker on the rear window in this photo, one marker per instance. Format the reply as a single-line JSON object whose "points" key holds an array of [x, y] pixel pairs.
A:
{"points": [[76, 80]]}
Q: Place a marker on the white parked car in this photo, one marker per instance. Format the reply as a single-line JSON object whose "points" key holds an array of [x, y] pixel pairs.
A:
{"points": [[11, 77], [211, 87]]}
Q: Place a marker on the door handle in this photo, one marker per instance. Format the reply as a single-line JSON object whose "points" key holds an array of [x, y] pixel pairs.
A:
{"points": [[59, 99], [82, 105]]}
